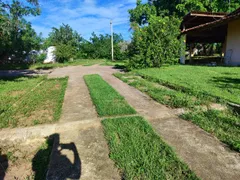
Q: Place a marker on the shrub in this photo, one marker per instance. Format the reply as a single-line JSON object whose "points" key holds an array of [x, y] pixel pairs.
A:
{"points": [[64, 52], [155, 44], [41, 57]]}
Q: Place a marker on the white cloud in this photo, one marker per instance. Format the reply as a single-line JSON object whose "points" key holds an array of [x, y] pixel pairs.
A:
{"points": [[85, 16]]}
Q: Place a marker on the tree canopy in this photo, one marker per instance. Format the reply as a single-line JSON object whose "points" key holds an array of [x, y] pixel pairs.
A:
{"points": [[141, 14], [16, 34]]}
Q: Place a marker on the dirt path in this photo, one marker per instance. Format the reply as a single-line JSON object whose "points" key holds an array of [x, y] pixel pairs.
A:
{"points": [[204, 154]]}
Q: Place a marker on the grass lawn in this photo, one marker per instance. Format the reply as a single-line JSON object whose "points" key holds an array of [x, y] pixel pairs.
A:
{"points": [[140, 153], [220, 82], [83, 62], [163, 95], [108, 102], [27, 101], [224, 125]]}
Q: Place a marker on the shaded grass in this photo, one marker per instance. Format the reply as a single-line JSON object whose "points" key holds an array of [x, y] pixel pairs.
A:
{"points": [[169, 97], [41, 159], [27, 101], [140, 153], [108, 102], [222, 124], [222, 83]]}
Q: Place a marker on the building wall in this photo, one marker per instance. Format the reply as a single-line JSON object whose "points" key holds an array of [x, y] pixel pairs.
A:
{"points": [[232, 55]]}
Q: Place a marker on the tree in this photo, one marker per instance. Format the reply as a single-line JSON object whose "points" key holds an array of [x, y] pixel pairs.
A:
{"points": [[179, 8], [155, 44], [15, 30], [65, 35], [66, 40], [99, 46]]}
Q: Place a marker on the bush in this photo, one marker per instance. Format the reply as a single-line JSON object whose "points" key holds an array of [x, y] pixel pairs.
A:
{"points": [[41, 57], [155, 44], [64, 52]]}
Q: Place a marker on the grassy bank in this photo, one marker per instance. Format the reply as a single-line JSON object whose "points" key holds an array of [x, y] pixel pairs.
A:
{"points": [[163, 95], [140, 153], [219, 82], [27, 101], [222, 124], [108, 102]]}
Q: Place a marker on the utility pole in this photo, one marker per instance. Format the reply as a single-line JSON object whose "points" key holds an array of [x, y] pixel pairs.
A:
{"points": [[111, 25]]}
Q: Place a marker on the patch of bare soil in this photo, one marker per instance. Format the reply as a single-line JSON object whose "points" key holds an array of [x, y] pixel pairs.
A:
{"points": [[16, 160], [41, 116], [16, 93]]}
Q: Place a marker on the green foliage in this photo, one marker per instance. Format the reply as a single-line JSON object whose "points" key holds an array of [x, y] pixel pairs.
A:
{"points": [[65, 35], [156, 28], [155, 44], [224, 125], [140, 153], [66, 40], [16, 34], [64, 52], [206, 5], [108, 102], [41, 57], [99, 47], [142, 13]]}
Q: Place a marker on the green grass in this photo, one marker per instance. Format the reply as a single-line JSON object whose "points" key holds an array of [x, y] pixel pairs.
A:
{"points": [[83, 62], [140, 153], [169, 97], [27, 101], [223, 83], [108, 102], [224, 125]]}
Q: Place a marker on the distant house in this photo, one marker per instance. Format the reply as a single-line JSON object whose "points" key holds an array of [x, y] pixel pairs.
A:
{"points": [[206, 27]]}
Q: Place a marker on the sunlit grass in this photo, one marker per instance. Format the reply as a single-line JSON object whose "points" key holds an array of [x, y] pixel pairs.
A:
{"points": [[140, 153], [107, 100], [27, 101]]}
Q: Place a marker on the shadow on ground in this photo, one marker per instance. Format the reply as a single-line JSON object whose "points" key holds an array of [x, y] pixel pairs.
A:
{"points": [[3, 165], [227, 82], [60, 167]]}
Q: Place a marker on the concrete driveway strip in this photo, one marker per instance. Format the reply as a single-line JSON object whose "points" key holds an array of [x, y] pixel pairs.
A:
{"points": [[81, 153]]}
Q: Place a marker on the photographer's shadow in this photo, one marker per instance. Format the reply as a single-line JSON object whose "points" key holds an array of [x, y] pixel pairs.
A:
{"points": [[64, 162]]}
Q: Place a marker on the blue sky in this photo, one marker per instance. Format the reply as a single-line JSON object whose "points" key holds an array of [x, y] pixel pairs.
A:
{"points": [[84, 16]]}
